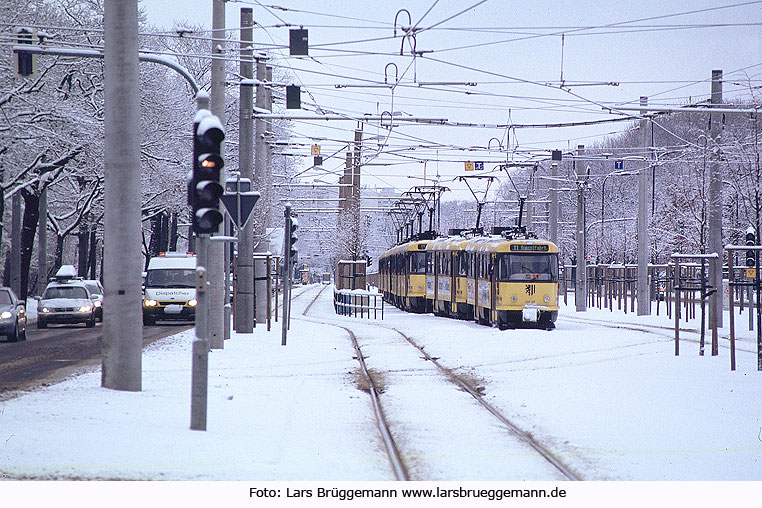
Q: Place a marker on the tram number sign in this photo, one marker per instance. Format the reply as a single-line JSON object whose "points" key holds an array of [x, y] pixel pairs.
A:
{"points": [[751, 273]]}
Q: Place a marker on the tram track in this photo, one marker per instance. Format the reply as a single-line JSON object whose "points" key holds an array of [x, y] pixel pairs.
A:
{"points": [[464, 384]]}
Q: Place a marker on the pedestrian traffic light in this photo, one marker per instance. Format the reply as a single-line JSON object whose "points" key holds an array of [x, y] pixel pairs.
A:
{"points": [[293, 225], [205, 189], [751, 258]]}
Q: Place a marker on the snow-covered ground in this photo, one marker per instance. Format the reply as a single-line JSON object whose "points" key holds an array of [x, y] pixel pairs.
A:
{"points": [[612, 403]]}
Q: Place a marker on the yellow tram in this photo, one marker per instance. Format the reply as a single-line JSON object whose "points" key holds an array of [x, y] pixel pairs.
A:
{"points": [[402, 275], [505, 281]]}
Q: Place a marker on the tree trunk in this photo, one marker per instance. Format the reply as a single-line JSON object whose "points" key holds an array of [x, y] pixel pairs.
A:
{"points": [[173, 233], [92, 258], [164, 233], [83, 250], [28, 232]]}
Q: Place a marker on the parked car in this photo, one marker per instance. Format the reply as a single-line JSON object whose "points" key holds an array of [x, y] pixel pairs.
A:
{"points": [[12, 315], [96, 294], [66, 300]]}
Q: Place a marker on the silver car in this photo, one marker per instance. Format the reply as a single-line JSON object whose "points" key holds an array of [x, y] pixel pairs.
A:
{"points": [[66, 302], [12, 315]]}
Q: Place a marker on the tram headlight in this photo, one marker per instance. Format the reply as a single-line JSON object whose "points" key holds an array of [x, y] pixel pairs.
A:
{"points": [[514, 298], [547, 299]]}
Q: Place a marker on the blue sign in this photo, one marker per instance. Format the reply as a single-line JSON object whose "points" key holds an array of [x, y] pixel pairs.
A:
{"points": [[478, 166], [619, 164]]}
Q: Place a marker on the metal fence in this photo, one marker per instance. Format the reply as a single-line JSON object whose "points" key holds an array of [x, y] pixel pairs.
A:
{"points": [[358, 303]]}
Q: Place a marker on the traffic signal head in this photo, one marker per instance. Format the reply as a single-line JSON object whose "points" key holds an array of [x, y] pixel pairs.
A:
{"points": [[751, 258], [205, 189], [25, 63], [293, 237]]}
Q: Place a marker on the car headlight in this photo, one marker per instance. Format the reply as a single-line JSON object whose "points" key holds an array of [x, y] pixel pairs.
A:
{"points": [[86, 308], [192, 303], [45, 309], [150, 303], [97, 303], [6, 315]]}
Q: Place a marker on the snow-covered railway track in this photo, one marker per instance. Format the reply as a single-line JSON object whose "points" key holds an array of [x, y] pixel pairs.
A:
{"points": [[408, 458]]}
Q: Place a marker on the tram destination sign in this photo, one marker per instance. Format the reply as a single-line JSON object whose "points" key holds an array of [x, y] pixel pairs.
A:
{"points": [[524, 247]]}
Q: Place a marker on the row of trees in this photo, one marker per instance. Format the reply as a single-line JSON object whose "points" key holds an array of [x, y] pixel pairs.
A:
{"points": [[51, 137]]}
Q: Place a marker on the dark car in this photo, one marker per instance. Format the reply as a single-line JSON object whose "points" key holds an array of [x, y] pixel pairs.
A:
{"points": [[12, 315]]}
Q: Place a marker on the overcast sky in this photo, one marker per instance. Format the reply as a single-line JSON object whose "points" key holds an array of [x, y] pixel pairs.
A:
{"points": [[514, 53]]}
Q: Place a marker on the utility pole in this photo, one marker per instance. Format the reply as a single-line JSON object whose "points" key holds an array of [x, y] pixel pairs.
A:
{"points": [[216, 252], [123, 328], [260, 180], [715, 206], [644, 296], [244, 298], [580, 286]]}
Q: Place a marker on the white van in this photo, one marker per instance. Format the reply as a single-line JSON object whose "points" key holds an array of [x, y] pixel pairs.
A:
{"points": [[169, 290]]}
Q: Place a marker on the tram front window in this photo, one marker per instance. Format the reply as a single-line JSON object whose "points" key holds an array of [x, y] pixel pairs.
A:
{"points": [[521, 267]]}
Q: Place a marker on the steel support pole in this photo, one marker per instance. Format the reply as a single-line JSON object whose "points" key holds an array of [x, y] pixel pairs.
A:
{"points": [[244, 299], [215, 265], [553, 196], [260, 180], [122, 330], [715, 204], [644, 297]]}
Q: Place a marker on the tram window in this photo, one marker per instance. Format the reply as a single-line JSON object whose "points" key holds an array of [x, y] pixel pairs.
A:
{"points": [[416, 262], [430, 259], [461, 264], [520, 267]]}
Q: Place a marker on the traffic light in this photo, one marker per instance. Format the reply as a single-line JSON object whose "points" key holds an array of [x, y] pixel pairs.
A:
{"points": [[205, 189], [293, 225], [751, 258], [24, 63]]}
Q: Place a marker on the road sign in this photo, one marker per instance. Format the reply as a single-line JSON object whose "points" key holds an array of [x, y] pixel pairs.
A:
{"points": [[248, 200], [478, 166], [315, 149], [619, 164], [469, 166]]}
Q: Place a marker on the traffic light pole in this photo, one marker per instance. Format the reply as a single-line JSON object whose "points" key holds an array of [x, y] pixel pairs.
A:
{"points": [[286, 273], [200, 367]]}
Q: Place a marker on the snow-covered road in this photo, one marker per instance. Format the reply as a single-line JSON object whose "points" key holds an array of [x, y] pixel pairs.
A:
{"points": [[611, 403]]}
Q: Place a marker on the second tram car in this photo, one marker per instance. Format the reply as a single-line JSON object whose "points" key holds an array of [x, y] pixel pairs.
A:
{"points": [[505, 281]]}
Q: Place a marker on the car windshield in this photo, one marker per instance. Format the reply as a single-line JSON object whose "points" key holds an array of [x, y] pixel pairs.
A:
{"points": [[65, 292], [171, 278], [5, 298], [93, 288]]}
